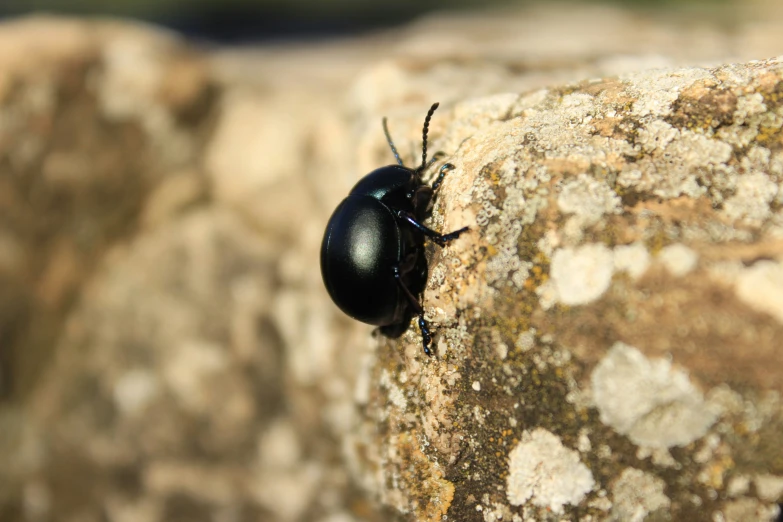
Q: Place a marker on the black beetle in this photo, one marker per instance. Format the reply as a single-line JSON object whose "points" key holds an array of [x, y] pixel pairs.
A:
{"points": [[372, 254]]}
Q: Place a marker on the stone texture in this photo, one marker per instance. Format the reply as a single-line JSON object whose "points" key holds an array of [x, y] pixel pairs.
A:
{"points": [[664, 355], [169, 352]]}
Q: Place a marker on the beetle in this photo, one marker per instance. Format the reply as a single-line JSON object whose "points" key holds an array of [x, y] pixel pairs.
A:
{"points": [[372, 254]]}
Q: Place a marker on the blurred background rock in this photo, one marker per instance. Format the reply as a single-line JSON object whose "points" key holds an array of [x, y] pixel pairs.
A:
{"points": [[167, 351]]}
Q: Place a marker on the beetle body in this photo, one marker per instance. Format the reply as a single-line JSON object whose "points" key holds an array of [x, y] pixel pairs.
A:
{"points": [[363, 244], [372, 254]]}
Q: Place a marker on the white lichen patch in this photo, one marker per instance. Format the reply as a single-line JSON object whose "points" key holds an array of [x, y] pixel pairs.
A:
{"points": [[395, 394], [738, 485], [545, 472], [588, 199], [678, 259], [761, 287], [581, 275], [746, 509], [660, 88], [502, 228], [751, 202], [671, 171], [709, 445], [647, 400], [748, 121], [769, 487], [547, 295], [662, 457], [757, 159], [633, 259], [748, 106], [583, 442], [579, 106], [526, 340], [636, 494], [656, 134]]}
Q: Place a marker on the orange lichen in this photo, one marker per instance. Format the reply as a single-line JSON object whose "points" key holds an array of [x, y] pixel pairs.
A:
{"points": [[432, 494]]}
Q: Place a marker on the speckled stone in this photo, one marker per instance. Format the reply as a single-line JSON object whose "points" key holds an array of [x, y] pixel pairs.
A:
{"points": [[625, 242]]}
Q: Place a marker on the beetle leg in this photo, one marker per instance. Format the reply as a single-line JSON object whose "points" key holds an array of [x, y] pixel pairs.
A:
{"points": [[425, 194], [426, 335], [436, 156], [411, 298], [451, 236], [442, 174], [440, 239]]}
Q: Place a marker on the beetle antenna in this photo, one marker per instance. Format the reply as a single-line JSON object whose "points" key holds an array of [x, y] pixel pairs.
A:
{"points": [[391, 143], [424, 132]]}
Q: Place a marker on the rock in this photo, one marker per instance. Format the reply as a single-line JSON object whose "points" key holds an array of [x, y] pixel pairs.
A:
{"points": [[143, 371], [85, 141], [606, 333], [665, 358]]}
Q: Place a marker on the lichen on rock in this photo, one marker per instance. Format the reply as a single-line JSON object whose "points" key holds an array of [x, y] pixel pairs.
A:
{"points": [[649, 401], [545, 472], [614, 254], [636, 494]]}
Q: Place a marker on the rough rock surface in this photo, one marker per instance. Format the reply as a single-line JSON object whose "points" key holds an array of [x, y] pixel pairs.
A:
{"points": [[619, 295], [607, 333]]}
